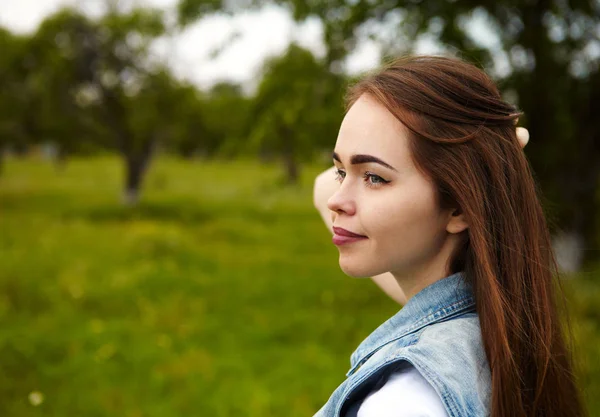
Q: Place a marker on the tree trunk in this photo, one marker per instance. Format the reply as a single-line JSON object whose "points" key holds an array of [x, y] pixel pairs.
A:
{"points": [[135, 168], [133, 181], [136, 165], [136, 158], [291, 166]]}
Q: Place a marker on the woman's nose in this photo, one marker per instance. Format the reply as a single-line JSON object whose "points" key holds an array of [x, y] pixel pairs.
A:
{"points": [[341, 202]]}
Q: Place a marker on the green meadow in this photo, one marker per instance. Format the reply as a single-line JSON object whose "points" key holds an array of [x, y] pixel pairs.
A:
{"points": [[218, 295]]}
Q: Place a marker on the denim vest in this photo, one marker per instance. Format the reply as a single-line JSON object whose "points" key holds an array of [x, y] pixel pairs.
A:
{"points": [[438, 332]]}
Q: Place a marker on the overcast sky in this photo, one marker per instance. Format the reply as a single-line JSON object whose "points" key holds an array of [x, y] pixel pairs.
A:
{"points": [[262, 33]]}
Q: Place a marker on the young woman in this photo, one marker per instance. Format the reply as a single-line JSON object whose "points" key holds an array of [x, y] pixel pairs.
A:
{"points": [[435, 199]]}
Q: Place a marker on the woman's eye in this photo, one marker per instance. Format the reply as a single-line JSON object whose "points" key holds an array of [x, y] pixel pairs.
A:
{"points": [[339, 175], [373, 180]]}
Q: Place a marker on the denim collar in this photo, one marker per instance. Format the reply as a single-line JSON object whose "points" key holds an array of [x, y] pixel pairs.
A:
{"points": [[444, 298]]}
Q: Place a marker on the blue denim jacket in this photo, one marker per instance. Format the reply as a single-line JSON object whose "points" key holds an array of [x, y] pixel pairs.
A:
{"points": [[438, 332]]}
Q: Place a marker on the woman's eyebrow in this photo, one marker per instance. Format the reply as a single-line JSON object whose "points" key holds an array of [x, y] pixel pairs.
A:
{"points": [[363, 159]]}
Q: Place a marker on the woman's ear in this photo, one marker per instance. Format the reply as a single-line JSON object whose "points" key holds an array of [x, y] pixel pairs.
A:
{"points": [[457, 222]]}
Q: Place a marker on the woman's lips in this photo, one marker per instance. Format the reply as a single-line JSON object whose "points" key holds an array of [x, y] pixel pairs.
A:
{"points": [[342, 240], [344, 232], [343, 236]]}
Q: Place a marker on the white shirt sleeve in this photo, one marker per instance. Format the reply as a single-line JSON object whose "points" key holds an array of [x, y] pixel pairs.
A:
{"points": [[405, 394]]}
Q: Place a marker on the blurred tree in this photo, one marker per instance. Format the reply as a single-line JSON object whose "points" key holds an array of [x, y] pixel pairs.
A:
{"points": [[189, 11], [17, 106], [55, 85], [160, 112], [8, 92], [226, 112], [297, 108], [99, 75], [552, 51], [206, 123], [188, 131]]}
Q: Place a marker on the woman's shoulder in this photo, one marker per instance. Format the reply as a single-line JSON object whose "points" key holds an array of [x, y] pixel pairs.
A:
{"points": [[452, 357], [405, 394], [459, 339], [464, 329]]}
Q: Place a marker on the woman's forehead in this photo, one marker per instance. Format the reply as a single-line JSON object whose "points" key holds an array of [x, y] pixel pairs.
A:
{"points": [[369, 128]]}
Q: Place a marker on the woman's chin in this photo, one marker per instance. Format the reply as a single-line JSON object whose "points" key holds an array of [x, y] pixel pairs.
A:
{"points": [[356, 269]]}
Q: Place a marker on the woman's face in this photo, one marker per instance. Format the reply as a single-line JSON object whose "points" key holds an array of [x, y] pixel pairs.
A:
{"points": [[393, 206]]}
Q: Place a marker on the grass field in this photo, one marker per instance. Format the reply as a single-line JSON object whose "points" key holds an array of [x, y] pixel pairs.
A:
{"points": [[220, 295]]}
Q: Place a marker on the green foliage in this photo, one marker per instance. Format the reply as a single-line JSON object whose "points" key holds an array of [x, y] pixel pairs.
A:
{"points": [[298, 107], [93, 80], [81, 72], [166, 109], [17, 103], [189, 11], [55, 78], [225, 112], [219, 295]]}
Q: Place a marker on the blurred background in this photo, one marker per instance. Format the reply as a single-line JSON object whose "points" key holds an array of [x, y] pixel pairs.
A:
{"points": [[159, 252]]}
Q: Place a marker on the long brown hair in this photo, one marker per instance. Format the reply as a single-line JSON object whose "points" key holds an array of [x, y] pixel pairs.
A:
{"points": [[463, 138]]}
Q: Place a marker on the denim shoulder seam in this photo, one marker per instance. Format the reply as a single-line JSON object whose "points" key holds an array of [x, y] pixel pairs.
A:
{"points": [[447, 399], [453, 310], [449, 310]]}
